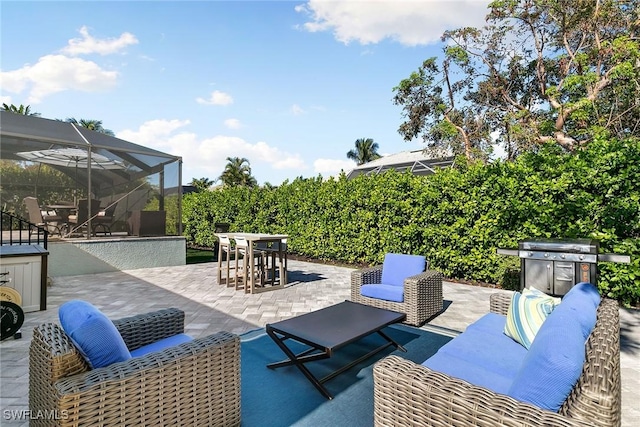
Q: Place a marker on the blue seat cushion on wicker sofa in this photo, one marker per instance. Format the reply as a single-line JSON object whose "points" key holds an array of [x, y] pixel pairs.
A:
{"points": [[397, 267], [490, 322], [553, 363], [162, 344], [491, 349], [486, 350], [93, 333], [385, 292], [468, 371]]}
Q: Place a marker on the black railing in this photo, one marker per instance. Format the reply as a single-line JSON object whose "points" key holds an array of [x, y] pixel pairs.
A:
{"points": [[17, 231]]}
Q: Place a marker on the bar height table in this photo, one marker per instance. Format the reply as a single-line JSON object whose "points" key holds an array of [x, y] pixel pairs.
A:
{"points": [[254, 286]]}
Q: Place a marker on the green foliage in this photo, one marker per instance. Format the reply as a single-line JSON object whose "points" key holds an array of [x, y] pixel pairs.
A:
{"points": [[41, 181], [457, 217], [539, 71]]}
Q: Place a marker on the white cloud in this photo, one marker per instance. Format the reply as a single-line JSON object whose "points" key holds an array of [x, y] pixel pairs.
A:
{"points": [[233, 123], [216, 98], [332, 167], [297, 110], [410, 22], [87, 44], [5, 100], [207, 157], [57, 73]]}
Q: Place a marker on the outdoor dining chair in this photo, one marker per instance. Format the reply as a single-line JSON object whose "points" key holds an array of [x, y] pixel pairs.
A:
{"points": [[225, 249], [45, 219], [80, 220], [275, 249], [105, 219], [243, 271]]}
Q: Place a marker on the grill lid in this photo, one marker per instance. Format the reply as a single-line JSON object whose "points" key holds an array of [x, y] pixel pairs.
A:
{"points": [[583, 246]]}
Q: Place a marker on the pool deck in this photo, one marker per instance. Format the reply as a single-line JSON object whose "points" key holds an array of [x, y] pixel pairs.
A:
{"points": [[210, 308]]}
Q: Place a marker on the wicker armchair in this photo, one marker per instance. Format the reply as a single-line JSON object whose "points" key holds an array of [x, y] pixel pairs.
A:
{"points": [[422, 294], [196, 383], [408, 394]]}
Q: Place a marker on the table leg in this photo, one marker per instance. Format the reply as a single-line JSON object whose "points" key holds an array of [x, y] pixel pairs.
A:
{"points": [[299, 362], [220, 265], [250, 285]]}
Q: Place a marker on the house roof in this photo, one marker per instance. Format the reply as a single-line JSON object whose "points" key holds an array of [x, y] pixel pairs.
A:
{"points": [[415, 161]]}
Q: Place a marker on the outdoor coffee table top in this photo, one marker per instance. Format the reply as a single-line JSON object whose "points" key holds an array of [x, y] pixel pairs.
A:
{"points": [[338, 325]]}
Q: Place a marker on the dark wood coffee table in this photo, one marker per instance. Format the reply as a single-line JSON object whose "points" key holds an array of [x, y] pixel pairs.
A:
{"points": [[329, 329]]}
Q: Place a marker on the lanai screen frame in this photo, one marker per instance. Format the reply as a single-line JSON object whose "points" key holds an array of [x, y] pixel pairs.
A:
{"points": [[20, 133]]}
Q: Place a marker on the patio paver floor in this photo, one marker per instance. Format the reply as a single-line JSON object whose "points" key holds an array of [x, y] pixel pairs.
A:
{"points": [[210, 307]]}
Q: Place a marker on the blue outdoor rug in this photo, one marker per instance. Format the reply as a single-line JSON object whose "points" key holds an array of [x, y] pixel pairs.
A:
{"points": [[284, 396]]}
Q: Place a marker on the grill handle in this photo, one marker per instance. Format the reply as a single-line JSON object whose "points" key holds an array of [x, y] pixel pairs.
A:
{"points": [[623, 259], [510, 252]]}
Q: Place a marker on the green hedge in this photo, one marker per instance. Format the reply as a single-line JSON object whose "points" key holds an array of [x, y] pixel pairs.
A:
{"points": [[457, 217]]}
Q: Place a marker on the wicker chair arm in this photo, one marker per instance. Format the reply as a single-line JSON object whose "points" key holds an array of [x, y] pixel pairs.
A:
{"points": [[367, 276], [160, 363], [147, 328], [408, 394], [421, 280], [499, 303]]}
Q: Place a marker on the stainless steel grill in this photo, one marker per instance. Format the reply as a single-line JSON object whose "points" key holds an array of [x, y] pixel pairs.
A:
{"points": [[555, 266]]}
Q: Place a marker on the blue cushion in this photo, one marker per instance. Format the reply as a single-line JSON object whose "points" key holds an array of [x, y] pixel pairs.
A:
{"points": [[491, 350], [490, 322], [385, 292], [93, 333], [397, 267], [584, 290], [472, 372], [553, 364], [161, 345], [582, 302]]}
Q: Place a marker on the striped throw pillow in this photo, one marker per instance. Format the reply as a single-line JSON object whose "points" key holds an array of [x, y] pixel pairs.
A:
{"points": [[527, 312]]}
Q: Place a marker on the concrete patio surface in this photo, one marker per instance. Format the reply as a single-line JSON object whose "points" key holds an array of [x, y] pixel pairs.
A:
{"points": [[210, 308]]}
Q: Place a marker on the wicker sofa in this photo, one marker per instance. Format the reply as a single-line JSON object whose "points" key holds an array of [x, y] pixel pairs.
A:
{"points": [[195, 383], [409, 394], [422, 293]]}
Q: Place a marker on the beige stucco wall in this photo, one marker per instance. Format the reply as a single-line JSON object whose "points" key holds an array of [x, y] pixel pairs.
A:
{"points": [[70, 258]]}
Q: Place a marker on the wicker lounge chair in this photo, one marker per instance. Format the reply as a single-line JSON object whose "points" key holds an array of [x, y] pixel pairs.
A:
{"points": [[195, 383], [422, 294], [409, 394]]}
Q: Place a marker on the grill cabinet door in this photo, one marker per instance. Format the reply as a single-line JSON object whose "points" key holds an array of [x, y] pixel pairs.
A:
{"points": [[539, 274], [564, 276]]}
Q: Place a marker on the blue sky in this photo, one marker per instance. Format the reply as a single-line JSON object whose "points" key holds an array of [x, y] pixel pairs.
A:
{"points": [[290, 85]]}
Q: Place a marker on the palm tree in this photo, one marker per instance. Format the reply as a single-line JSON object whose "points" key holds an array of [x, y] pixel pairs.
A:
{"points": [[94, 125], [366, 150], [22, 109], [201, 184], [237, 172]]}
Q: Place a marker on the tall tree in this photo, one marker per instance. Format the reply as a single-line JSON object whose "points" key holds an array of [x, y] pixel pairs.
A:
{"points": [[237, 172], [365, 151], [201, 184], [22, 109], [94, 125], [539, 71]]}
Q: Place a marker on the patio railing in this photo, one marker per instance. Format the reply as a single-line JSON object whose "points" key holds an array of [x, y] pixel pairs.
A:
{"points": [[17, 231]]}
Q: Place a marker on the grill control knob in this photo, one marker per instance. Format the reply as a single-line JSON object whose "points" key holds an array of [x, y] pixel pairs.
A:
{"points": [[581, 257], [562, 256], [546, 255], [530, 253]]}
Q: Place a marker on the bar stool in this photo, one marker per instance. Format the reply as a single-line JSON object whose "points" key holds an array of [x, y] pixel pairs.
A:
{"points": [[224, 251], [243, 272], [277, 250]]}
